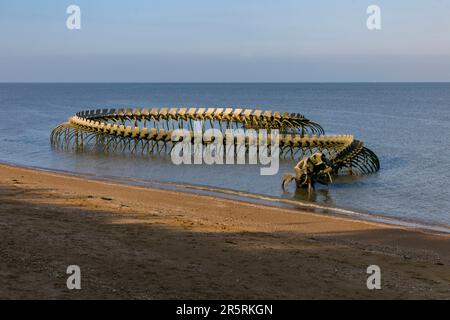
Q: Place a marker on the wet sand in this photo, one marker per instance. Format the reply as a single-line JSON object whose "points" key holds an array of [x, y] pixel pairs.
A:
{"points": [[140, 243]]}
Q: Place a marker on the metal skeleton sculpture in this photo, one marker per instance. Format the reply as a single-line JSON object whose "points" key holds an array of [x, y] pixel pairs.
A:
{"points": [[150, 131]]}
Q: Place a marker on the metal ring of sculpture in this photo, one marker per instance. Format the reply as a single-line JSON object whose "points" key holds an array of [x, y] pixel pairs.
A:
{"points": [[150, 131]]}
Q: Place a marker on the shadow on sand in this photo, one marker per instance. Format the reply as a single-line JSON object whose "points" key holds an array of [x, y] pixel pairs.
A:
{"points": [[140, 256]]}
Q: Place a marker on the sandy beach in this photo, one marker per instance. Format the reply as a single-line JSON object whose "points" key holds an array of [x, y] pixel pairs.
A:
{"points": [[140, 243]]}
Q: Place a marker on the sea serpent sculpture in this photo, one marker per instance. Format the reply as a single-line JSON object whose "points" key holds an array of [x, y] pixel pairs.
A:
{"points": [[150, 131]]}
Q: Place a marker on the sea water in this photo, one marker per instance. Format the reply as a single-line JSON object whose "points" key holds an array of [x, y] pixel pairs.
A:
{"points": [[406, 124]]}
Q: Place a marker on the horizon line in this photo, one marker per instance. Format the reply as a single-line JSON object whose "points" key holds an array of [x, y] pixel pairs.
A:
{"points": [[215, 82]]}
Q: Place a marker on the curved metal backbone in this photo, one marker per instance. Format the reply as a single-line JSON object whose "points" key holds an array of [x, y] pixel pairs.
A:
{"points": [[150, 131]]}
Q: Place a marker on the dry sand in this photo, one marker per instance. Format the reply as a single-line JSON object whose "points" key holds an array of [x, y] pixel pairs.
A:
{"points": [[141, 243]]}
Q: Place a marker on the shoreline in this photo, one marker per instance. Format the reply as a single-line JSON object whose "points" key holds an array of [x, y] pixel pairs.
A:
{"points": [[146, 243], [252, 198]]}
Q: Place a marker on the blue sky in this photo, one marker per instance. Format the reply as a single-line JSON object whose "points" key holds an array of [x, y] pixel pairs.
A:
{"points": [[224, 41]]}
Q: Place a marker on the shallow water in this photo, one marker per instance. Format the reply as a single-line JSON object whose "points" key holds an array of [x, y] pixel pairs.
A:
{"points": [[407, 125]]}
